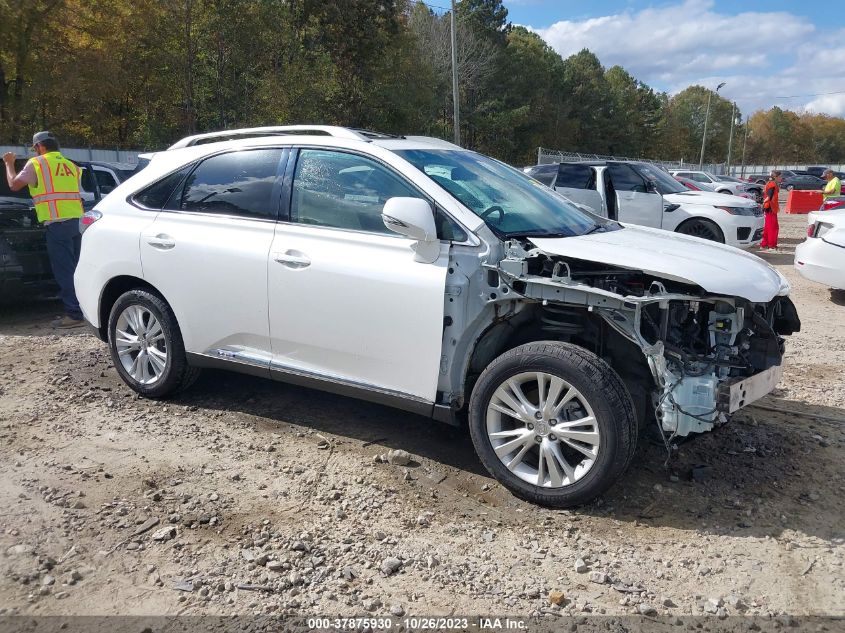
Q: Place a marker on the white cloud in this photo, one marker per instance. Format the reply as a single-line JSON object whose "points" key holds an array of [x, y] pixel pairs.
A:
{"points": [[678, 45], [828, 104]]}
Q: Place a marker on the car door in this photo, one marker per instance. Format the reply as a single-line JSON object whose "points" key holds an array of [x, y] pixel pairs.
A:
{"points": [[206, 252], [106, 180], [636, 202], [348, 302], [578, 183]]}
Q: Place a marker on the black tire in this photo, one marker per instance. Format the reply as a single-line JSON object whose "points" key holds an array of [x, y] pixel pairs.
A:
{"points": [[602, 388], [705, 229], [177, 375], [790, 187], [727, 192]]}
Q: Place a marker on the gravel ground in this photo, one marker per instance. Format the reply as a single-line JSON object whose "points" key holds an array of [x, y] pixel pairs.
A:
{"points": [[245, 496]]}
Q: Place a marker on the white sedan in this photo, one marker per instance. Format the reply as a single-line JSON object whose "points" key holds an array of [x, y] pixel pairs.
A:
{"points": [[821, 257]]}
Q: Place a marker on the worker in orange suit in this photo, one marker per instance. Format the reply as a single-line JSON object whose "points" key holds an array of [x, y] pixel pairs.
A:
{"points": [[771, 206]]}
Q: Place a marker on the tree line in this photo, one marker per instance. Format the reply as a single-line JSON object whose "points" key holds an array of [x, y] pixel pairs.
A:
{"points": [[143, 73]]}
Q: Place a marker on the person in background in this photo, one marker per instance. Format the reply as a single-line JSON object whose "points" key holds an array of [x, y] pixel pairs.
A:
{"points": [[771, 207], [833, 187], [53, 183]]}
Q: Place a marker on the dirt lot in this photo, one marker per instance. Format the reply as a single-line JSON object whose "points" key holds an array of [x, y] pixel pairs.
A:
{"points": [[245, 496]]}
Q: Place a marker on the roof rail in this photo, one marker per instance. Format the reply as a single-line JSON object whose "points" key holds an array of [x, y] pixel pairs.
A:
{"points": [[273, 130], [439, 142]]}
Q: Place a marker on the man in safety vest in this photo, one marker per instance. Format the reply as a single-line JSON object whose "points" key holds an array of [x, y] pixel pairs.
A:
{"points": [[833, 187], [771, 206], [53, 183]]}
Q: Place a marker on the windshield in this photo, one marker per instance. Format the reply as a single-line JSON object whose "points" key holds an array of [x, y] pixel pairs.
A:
{"points": [[510, 202], [663, 182]]}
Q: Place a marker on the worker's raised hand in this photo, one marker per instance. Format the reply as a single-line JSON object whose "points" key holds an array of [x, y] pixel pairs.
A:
{"points": [[9, 158]]}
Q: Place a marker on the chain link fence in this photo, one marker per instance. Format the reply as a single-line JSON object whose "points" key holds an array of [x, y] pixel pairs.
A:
{"points": [[129, 157], [546, 156]]}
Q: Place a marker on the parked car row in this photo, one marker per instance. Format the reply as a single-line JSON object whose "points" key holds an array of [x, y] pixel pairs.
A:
{"points": [[640, 193], [24, 264], [412, 272]]}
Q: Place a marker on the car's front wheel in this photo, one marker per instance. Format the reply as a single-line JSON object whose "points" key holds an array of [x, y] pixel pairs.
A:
{"points": [[705, 229], [553, 423], [146, 345]]}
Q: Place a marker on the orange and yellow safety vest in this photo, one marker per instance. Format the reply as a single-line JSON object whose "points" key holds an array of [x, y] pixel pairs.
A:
{"points": [[56, 196]]}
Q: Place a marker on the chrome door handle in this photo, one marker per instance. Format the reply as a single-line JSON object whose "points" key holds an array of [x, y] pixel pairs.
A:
{"points": [[161, 241], [292, 259]]}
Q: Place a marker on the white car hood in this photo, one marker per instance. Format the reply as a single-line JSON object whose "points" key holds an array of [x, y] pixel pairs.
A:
{"points": [[709, 197], [717, 268]]}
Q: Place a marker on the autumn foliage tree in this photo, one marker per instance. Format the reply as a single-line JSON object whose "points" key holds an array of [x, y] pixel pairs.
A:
{"points": [[143, 73]]}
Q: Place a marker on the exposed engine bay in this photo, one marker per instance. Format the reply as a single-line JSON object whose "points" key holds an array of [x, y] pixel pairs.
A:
{"points": [[708, 355]]}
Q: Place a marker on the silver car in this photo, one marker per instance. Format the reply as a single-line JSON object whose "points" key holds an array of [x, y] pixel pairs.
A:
{"points": [[724, 184]]}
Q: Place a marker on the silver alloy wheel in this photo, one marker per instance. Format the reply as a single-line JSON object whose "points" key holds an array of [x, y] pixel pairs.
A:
{"points": [[141, 344], [543, 429]]}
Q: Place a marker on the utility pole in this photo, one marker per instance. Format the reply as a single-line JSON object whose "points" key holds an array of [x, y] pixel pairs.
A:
{"points": [[706, 116], [731, 136], [744, 143], [456, 100]]}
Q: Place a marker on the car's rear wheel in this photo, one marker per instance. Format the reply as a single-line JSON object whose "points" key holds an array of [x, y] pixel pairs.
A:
{"points": [[553, 423], [146, 345], [790, 187], [705, 229]]}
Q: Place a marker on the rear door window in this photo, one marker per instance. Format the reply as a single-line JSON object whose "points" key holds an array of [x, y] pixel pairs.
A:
{"points": [[104, 178], [624, 178], [576, 177], [243, 184]]}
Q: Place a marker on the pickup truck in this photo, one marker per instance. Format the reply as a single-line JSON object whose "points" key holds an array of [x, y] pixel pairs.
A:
{"points": [[640, 193]]}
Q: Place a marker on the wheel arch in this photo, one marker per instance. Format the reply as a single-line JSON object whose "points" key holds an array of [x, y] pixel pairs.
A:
{"points": [[701, 218], [112, 291], [595, 337]]}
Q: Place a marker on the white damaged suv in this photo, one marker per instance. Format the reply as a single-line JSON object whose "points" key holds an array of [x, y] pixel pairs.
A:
{"points": [[414, 273]]}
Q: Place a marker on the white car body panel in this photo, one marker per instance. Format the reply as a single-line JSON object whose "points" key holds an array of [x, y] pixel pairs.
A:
{"points": [[700, 204], [110, 252], [715, 267], [214, 277], [644, 209], [363, 310], [587, 197], [712, 198], [822, 259]]}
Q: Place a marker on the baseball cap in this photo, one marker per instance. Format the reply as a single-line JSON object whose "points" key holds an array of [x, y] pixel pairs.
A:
{"points": [[40, 137]]}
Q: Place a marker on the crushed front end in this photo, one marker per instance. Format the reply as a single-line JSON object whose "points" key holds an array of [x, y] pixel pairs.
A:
{"points": [[708, 354]]}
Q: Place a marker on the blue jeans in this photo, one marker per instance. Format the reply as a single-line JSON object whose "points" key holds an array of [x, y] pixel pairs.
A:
{"points": [[63, 244]]}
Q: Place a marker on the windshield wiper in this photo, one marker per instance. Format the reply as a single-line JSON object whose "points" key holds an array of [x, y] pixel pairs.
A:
{"points": [[595, 228], [538, 233]]}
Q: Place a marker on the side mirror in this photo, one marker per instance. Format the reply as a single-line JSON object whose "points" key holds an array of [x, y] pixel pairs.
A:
{"points": [[411, 217], [414, 218], [650, 187]]}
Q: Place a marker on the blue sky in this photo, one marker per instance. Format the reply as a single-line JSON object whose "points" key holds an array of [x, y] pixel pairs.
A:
{"points": [[765, 51]]}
